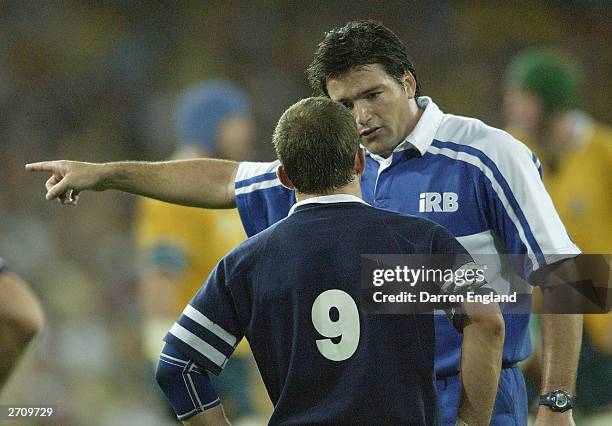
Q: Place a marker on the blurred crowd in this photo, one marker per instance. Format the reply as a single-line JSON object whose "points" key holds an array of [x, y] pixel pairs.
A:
{"points": [[98, 81]]}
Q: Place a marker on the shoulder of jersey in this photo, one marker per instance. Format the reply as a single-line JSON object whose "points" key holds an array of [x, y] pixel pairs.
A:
{"points": [[495, 143], [248, 169]]}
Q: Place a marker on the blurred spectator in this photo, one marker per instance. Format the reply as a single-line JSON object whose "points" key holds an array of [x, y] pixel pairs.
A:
{"points": [[179, 246], [21, 318], [575, 151]]}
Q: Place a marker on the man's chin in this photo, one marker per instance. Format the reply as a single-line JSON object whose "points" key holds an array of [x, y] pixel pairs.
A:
{"points": [[377, 147]]}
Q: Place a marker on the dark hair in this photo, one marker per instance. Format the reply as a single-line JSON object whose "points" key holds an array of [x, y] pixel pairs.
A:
{"points": [[316, 140], [356, 44]]}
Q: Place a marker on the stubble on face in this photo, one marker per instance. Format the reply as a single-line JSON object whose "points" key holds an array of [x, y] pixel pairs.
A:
{"points": [[384, 110]]}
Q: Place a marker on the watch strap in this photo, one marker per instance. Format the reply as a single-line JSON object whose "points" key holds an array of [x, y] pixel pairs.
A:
{"points": [[558, 400]]}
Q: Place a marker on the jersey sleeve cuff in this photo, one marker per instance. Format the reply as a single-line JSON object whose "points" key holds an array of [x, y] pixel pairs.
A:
{"points": [[562, 254], [200, 359]]}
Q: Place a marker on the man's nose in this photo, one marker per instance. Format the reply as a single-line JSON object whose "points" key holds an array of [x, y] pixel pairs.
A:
{"points": [[361, 113]]}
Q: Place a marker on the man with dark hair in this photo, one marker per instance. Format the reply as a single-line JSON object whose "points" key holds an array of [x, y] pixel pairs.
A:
{"points": [[357, 44], [314, 344], [479, 182]]}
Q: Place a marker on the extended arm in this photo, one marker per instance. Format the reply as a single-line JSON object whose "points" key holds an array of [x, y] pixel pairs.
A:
{"points": [[201, 182], [481, 354]]}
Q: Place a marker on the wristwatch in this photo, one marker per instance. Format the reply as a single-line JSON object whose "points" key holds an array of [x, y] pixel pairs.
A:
{"points": [[558, 400]]}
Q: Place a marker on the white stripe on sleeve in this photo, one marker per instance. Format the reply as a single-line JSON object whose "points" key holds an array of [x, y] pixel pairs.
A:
{"points": [[472, 159], [249, 169], [205, 322], [198, 344], [258, 185]]}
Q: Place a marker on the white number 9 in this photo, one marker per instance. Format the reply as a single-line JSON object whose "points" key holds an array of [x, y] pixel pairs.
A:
{"points": [[346, 327]]}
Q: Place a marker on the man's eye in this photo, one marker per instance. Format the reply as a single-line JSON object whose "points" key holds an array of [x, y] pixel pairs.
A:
{"points": [[373, 95]]}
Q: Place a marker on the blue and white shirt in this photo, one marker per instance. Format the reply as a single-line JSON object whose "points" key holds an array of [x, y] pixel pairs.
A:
{"points": [[479, 182]]}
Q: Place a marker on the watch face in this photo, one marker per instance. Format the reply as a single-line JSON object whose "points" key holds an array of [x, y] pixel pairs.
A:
{"points": [[560, 400]]}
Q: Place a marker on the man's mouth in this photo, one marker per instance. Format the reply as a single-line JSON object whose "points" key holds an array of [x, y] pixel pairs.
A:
{"points": [[369, 132]]}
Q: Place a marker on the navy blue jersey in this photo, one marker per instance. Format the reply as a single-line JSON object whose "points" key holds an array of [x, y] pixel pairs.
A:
{"points": [[293, 291], [479, 182]]}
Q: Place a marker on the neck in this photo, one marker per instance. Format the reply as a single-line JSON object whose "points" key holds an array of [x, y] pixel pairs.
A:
{"points": [[353, 188], [414, 115]]}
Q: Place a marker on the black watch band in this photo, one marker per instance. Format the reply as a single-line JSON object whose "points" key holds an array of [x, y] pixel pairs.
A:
{"points": [[558, 400]]}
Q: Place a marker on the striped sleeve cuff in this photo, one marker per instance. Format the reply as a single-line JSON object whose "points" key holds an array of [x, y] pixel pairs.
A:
{"points": [[201, 339]]}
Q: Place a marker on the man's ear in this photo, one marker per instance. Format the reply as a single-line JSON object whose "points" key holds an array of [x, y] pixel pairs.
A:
{"points": [[284, 179], [409, 84], [360, 161]]}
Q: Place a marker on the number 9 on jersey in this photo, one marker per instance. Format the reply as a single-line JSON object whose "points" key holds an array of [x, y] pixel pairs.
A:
{"points": [[346, 327]]}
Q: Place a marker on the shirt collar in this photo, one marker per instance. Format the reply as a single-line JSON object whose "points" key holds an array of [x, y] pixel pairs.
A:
{"points": [[425, 130], [327, 199]]}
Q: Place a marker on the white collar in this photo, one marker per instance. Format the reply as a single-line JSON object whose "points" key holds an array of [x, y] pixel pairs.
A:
{"points": [[327, 199], [425, 130]]}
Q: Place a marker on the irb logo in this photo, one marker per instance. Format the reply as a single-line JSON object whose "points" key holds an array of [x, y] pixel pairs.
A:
{"points": [[436, 202]]}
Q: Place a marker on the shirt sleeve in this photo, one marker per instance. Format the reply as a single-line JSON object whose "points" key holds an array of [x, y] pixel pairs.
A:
{"points": [[208, 330], [260, 198], [518, 207], [187, 387]]}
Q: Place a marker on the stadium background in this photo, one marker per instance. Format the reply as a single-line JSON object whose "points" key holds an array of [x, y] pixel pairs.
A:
{"points": [[97, 82]]}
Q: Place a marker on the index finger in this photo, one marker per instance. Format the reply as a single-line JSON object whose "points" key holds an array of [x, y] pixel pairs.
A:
{"points": [[43, 166]]}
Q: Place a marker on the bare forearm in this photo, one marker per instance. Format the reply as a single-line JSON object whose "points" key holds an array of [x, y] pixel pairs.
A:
{"points": [[202, 182], [199, 182], [483, 340], [561, 340], [213, 417], [561, 335]]}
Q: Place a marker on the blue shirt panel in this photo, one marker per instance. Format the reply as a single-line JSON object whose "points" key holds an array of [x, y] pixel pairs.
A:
{"points": [[400, 185], [397, 188], [262, 208]]}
